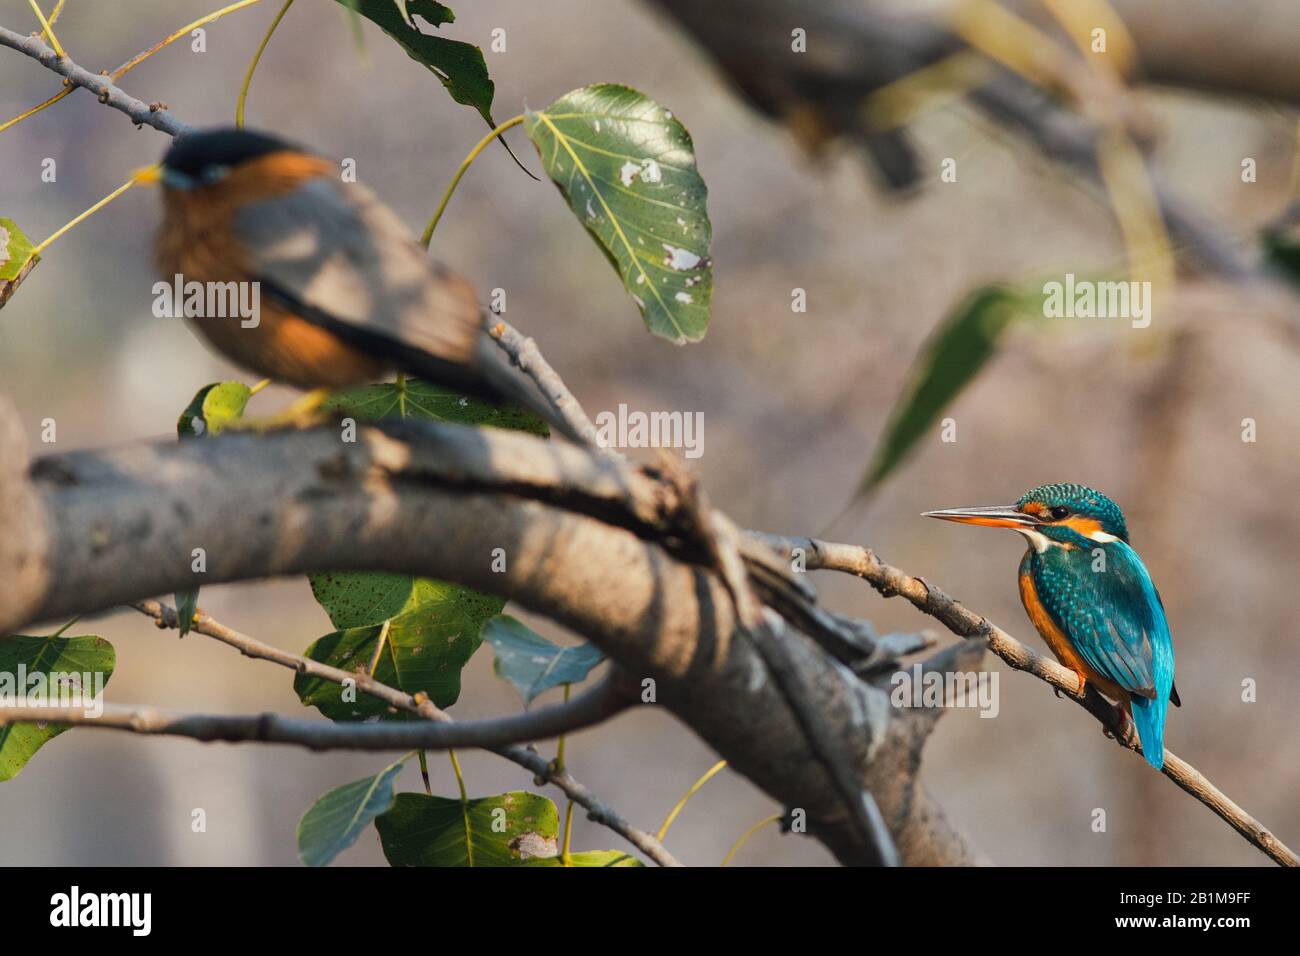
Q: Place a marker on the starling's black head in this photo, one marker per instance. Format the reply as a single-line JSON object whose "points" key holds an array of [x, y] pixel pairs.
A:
{"points": [[205, 157]]}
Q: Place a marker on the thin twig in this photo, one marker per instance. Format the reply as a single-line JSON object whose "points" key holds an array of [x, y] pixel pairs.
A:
{"points": [[597, 810], [586, 710], [891, 582], [141, 113], [525, 354]]}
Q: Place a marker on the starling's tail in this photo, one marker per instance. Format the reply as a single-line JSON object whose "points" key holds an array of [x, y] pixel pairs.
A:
{"points": [[1149, 717]]}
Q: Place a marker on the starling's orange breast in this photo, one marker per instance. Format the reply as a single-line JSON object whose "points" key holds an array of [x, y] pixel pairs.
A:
{"points": [[289, 349], [197, 242]]}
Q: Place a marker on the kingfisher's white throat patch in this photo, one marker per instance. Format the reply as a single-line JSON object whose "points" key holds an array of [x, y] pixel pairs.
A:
{"points": [[1037, 540]]}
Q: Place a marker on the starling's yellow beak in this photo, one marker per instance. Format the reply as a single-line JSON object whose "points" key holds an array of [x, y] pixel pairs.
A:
{"points": [[996, 516], [148, 175]]}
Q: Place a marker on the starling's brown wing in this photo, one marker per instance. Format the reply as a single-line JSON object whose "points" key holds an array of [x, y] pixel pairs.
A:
{"points": [[340, 258], [344, 260]]}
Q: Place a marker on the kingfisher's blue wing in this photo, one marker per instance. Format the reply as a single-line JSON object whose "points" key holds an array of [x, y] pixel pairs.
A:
{"points": [[1113, 617]]}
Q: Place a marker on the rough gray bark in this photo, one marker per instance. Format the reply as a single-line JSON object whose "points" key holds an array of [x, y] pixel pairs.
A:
{"points": [[92, 530]]}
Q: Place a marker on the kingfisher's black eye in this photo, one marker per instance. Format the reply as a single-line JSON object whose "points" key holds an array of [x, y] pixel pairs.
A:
{"points": [[1059, 512]]}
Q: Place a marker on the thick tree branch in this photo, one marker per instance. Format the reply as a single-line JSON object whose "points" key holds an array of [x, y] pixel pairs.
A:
{"points": [[141, 113], [95, 530], [891, 582]]}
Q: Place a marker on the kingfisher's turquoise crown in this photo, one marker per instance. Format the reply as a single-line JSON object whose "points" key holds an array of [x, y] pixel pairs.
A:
{"points": [[1083, 501]]}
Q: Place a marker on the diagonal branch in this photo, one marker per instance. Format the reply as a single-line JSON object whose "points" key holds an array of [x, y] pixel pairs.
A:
{"points": [[597, 810], [891, 582], [141, 113]]}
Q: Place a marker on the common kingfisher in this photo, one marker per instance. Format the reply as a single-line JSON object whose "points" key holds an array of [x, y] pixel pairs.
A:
{"points": [[1091, 598]]}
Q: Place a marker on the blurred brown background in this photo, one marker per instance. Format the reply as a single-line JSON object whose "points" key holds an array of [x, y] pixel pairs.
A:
{"points": [[793, 405]]}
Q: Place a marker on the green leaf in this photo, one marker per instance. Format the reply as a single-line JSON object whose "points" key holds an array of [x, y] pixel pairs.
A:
{"points": [[333, 823], [588, 858], [17, 258], [627, 169], [946, 365], [503, 830], [458, 66], [424, 650], [187, 602], [65, 663], [420, 399], [1282, 247], [532, 663], [212, 408]]}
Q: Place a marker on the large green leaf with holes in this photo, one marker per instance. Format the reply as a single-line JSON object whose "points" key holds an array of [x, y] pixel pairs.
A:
{"points": [[420, 399], [17, 258], [503, 830], [459, 66], [954, 355], [433, 627], [627, 169], [45, 667], [333, 823], [420, 649]]}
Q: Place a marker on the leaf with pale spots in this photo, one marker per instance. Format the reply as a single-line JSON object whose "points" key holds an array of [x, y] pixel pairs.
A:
{"points": [[504, 830], [17, 258], [948, 362], [333, 823], [532, 663], [72, 657], [627, 169]]}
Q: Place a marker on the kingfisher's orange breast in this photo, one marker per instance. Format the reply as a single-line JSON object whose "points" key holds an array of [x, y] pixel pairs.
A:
{"points": [[1060, 644]]}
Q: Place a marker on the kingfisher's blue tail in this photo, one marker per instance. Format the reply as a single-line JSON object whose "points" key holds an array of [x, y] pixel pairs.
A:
{"points": [[1149, 717]]}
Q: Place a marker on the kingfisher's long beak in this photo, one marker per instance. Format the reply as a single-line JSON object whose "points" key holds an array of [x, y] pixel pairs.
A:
{"points": [[995, 516]]}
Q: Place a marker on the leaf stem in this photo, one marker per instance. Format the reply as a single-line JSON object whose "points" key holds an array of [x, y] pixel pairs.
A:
{"points": [[248, 77], [379, 645], [139, 58], [67, 90], [672, 815], [37, 250], [59, 632], [47, 29], [568, 810], [460, 779], [744, 838], [254, 389], [424, 773], [455, 180]]}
